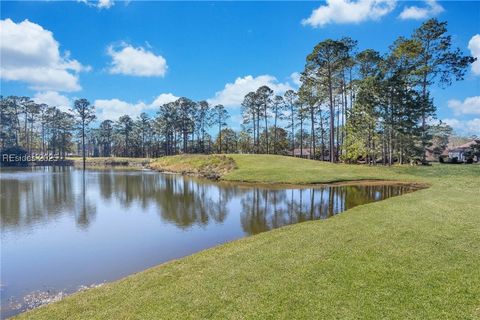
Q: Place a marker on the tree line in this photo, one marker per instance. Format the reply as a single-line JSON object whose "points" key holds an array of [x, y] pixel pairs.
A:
{"points": [[181, 126], [351, 106]]}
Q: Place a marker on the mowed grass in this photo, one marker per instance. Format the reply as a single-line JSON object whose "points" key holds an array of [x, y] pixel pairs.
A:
{"points": [[277, 169], [415, 256]]}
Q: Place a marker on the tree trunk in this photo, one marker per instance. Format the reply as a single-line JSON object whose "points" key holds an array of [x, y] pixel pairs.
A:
{"points": [[322, 134], [220, 136], [266, 125], [332, 116], [275, 134], [312, 120], [83, 143], [293, 130], [301, 138]]}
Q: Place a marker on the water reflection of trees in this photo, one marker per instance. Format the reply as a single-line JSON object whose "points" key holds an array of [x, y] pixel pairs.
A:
{"points": [[182, 201], [48, 193], [42, 194], [36, 195], [264, 209], [85, 207]]}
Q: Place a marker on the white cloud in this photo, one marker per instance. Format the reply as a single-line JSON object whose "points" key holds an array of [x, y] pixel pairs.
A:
{"points": [[31, 54], [233, 93], [53, 98], [348, 11], [112, 109], [235, 122], [431, 9], [470, 105], [105, 4], [464, 127], [133, 61], [474, 47], [101, 4], [296, 78], [473, 126], [452, 122], [163, 99]]}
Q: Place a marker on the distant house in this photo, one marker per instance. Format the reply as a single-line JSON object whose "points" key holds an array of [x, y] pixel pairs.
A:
{"points": [[303, 153], [308, 153], [457, 153], [462, 152], [432, 155]]}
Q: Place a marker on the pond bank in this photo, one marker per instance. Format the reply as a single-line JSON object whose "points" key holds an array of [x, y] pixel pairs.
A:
{"points": [[212, 167], [226, 169], [175, 215], [219, 167], [112, 162], [413, 256]]}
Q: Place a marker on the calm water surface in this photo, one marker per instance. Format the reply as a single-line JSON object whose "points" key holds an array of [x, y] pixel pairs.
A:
{"points": [[62, 228]]}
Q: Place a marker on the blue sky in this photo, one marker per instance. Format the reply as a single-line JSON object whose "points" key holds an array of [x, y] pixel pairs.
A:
{"points": [[126, 57]]}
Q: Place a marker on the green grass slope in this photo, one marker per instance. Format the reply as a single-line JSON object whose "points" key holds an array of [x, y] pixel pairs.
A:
{"points": [[416, 256], [209, 166]]}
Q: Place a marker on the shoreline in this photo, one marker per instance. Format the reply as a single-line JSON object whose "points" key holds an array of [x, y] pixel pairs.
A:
{"points": [[365, 238], [44, 300]]}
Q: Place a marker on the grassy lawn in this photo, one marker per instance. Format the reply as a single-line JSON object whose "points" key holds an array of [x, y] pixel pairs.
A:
{"points": [[416, 256], [275, 169]]}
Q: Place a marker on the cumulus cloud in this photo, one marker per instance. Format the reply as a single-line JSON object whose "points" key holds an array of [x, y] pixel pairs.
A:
{"points": [[30, 54], [112, 109], [431, 8], [163, 99], [101, 4], [464, 127], [474, 47], [233, 93], [470, 105], [105, 4], [53, 98], [138, 61], [296, 78], [348, 11]]}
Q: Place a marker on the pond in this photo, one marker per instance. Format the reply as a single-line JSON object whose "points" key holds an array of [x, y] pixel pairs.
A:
{"points": [[62, 228]]}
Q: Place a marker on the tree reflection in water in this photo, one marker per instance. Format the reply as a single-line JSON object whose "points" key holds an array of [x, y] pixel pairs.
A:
{"points": [[264, 209], [62, 227], [40, 194]]}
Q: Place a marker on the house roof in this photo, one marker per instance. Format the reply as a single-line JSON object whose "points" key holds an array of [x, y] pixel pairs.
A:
{"points": [[468, 144], [464, 146], [431, 154], [304, 151]]}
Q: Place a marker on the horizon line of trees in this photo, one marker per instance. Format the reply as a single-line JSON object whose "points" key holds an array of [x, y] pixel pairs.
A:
{"points": [[351, 105]]}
